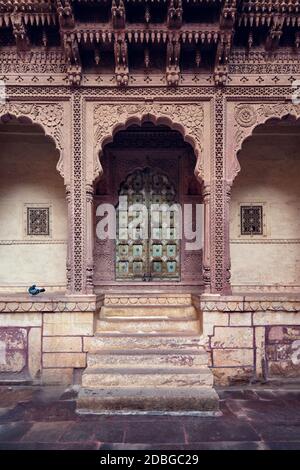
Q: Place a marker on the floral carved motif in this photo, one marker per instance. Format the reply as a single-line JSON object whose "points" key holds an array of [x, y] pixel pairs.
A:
{"points": [[187, 118], [245, 115], [49, 116]]}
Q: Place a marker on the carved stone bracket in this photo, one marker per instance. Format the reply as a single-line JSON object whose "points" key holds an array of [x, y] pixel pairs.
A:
{"points": [[246, 117], [48, 115], [188, 119]]}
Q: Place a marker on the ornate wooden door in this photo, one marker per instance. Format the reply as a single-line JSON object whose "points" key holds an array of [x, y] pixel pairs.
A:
{"points": [[149, 251]]}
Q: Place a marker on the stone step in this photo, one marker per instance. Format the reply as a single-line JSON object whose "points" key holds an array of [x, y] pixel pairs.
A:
{"points": [[140, 399], [160, 377], [142, 341], [148, 326], [149, 312], [151, 358]]}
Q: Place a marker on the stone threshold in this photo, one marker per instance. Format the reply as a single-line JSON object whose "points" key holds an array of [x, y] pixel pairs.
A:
{"points": [[203, 414]]}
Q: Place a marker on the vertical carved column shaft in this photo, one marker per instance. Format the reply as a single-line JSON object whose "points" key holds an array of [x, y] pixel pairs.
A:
{"points": [[89, 239], [207, 242], [77, 282], [220, 281], [70, 239], [226, 261]]}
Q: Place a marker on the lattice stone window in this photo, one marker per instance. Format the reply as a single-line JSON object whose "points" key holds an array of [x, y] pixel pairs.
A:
{"points": [[252, 220], [38, 221]]}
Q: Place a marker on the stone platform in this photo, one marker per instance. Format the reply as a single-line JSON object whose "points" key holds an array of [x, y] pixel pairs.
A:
{"points": [[253, 418], [147, 355]]}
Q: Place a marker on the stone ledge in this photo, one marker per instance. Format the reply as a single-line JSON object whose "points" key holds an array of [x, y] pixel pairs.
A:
{"points": [[24, 303], [250, 303]]}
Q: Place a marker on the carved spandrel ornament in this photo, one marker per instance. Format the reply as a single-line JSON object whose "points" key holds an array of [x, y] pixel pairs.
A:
{"points": [[49, 116], [186, 118], [247, 116]]}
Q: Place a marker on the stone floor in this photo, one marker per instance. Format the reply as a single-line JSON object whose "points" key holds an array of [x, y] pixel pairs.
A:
{"points": [[259, 417]]}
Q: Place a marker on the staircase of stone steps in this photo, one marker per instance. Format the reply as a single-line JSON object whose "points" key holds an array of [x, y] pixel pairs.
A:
{"points": [[147, 355]]}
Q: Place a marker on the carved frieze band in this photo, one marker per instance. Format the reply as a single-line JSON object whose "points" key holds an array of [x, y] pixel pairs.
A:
{"points": [[187, 118], [146, 300], [48, 115], [41, 307], [251, 306]]}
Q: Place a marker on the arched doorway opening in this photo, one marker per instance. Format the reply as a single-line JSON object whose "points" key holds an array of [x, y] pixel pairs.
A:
{"points": [[265, 210], [149, 164], [33, 209]]}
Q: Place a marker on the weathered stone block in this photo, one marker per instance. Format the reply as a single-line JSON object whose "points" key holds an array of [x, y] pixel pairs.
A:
{"points": [[98, 378], [13, 349], [120, 342], [283, 334], [12, 361], [260, 362], [57, 376], [34, 351], [240, 319], [62, 344], [20, 319], [212, 319], [64, 359], [13, 338], [68, 324], [233, 357], [232, 337], [232, 375], [284, 369], [275, 333], [276, 318], [283, 351]]}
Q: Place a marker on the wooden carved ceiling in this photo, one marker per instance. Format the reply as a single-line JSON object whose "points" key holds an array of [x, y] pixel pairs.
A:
{"points": [[126, 35]]}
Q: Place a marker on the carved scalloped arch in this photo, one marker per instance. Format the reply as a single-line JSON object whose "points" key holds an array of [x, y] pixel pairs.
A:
{"points": [[49, 117], [248, 116], [188, 119]]}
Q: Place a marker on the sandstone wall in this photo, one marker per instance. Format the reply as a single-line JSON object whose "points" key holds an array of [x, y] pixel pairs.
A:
{"points": [[44, 341], [270, 169], [28, 178], [252, 337]]}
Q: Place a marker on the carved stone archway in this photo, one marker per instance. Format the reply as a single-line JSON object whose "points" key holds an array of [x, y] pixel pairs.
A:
{"points": [[247, 116], [48, 116], [108, 119], [188, 119]]}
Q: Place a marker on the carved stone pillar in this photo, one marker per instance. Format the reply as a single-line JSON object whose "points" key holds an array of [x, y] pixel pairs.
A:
{"points": [[227, 262], [206, 246], [89, 239], [78, 204], [70, 239], [220, 194]]}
